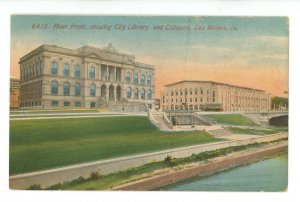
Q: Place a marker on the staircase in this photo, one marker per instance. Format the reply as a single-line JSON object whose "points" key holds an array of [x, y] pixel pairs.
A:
{"points": [[159, 121]]}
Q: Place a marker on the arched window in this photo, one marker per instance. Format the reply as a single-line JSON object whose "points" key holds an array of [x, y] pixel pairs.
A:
{"points": [[54, 88], [92, 72], [149, 80], [128, 92], [136, 79], [136, 93], [77, 89], [149, 94], [54, 69], [128, 77], [92, 90], [77, 72], [66, 88], [143, 79], [67, 70], [143, 93]]}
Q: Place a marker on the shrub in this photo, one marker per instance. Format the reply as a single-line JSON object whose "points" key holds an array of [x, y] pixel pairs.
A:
{"points": [[35, 187], [168, 161], [96, 175]]}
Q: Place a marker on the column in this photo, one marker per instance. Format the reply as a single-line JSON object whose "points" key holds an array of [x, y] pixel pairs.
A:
{"points": [[107, 94], [107, 73]]}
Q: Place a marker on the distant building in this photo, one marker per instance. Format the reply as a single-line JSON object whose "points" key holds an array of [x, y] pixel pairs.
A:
{"points": [[210, 95], [56, 77], [14, 90]]}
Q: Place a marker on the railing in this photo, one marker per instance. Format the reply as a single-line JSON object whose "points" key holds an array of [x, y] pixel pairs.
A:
{"points": [[204, 119], [167, 121]]}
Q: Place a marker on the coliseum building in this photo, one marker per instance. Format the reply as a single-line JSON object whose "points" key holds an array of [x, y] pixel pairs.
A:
{"points": [[210, 95], [56, 77]]}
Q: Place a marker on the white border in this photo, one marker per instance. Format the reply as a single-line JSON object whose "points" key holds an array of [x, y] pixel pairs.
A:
{"points": [[199, 8]]}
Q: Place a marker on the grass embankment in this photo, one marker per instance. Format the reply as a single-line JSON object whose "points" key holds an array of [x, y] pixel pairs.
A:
{"points": [[252, 131], [51, 111], [101, 182], [232, 119], [43, 144]]}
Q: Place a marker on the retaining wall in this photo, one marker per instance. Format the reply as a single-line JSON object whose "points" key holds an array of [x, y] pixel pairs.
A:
{"points": [[163, 180]]}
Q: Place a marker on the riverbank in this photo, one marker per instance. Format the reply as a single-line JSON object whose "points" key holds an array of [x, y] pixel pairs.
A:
{"points": [[125, 167], [192, 170]]}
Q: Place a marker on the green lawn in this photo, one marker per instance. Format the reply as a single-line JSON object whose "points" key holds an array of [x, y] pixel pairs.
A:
{"points": [[43, 144], [232, 119], [252, 131]]}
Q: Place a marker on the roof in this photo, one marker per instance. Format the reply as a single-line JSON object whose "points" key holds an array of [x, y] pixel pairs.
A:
{"points": [[214, 82], [108, 53]]}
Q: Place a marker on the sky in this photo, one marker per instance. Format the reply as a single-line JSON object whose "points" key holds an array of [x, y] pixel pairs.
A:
{"points": [[245, 51]]}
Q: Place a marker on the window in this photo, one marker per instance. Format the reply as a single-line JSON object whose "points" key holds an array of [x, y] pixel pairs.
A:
{"points": [[77, 89], [66, 88], [180, 92], [172, 93], [66, 104], [77, 72], [191, 100], [136, 79], [143, 93], [92, 104], [207, 91], [201, 91], [149, 94], [195, 99], [92, 90], [128, 77], [143, 79], [54, 103], [191, 92], [77, 104], [214, 94], [213, 99], [149, 80], [136, 93], [54, 88], [92, 72], [54, 68], [128, 92], [67, 70], [196, 92]]}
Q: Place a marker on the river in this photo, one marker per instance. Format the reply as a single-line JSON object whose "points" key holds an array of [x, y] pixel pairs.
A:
{"points": [[266, 175]]}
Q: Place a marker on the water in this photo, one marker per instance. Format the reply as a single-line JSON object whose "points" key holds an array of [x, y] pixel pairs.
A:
{"points": [[267, 175]]}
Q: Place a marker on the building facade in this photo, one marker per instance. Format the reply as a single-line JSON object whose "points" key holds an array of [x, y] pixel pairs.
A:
{"points": [[201, 95], [56, 77], [14, 90]]}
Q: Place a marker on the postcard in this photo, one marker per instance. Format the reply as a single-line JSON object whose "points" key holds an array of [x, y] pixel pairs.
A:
{"points": [[164, 103]]}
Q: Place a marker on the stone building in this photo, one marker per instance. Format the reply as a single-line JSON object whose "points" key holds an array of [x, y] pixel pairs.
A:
{"points": [[56, 77], [14, 90], [210, 95]]}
